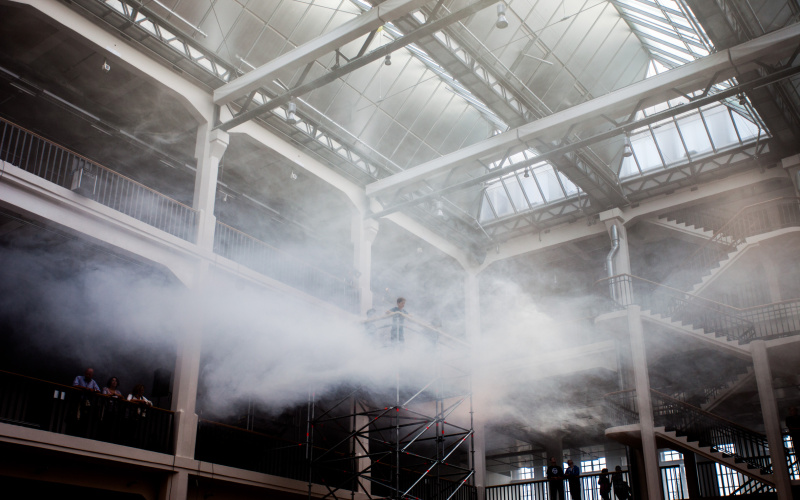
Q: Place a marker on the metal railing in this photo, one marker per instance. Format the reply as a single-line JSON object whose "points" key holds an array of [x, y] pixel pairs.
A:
{"points": [[63, 409], [751, 220], [724, 436], [539, 489], [35, 154], [622, 408], [765, 321], [713, 317], [235, 447], [721, 435], [261, 257]]}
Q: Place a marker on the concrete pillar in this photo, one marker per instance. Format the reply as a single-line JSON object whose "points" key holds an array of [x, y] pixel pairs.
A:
{"points": [[651, 477], [175, 486], [211, 145], [362, 234], [554, 447], [692, 478], [473, 332], [186, 374], [772, 425]]}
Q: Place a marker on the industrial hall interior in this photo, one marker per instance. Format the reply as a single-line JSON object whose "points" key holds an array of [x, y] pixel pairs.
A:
{"points": [[400, 249]]}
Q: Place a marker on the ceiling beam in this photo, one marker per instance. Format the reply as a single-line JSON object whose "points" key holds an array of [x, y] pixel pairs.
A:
{"points": [[312, 50], [685, 79], [426, 29]]}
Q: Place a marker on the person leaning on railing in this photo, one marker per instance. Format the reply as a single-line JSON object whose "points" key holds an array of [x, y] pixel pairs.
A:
{"points": [[112, 388], [137, 396], [86, 381]]}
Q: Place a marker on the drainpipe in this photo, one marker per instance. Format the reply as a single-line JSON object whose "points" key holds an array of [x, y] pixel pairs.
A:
{"points": [[610, 260]]}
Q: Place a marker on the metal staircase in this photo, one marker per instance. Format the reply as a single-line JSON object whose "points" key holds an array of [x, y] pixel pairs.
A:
{"points": [[711, 436], [691, 429], [730, 241]]}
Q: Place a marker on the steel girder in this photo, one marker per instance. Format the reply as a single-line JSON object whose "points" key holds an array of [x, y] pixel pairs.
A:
{"points": [[597, 181], [353, 64], [687, 79]]}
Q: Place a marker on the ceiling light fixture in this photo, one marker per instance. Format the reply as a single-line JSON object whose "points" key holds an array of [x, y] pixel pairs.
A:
{"points": [[106, 67], [438, 206], [627, 149], [291, 114], [387, 60], [502, 22], [293, 176], [742, 100]]}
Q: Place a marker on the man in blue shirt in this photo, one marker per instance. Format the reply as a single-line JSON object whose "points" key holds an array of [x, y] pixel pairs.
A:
{"points": [[573, 474], [86, 381]]}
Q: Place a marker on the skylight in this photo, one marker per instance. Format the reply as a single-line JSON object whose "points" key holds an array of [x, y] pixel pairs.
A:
{"points": [[667, 29]]}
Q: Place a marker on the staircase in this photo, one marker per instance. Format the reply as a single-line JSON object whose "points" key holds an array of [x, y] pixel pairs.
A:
{"points": [[692, 429], [728, 460], [730, 240], [704, 433], [709, 337]]}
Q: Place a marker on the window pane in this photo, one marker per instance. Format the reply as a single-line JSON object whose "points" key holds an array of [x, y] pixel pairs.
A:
{"points": [[721, 127], [695, 135], [646, 153], [670, 143]]}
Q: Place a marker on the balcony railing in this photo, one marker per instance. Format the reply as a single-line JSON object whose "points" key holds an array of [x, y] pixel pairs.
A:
{"points": [[43, 158], [759, 218], [235, 447], [713, 317], [63, 409], [284, 267], [539, 489], [744, 325]]}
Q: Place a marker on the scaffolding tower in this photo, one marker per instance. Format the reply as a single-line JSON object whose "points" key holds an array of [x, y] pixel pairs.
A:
{"points": [[414, 440]]}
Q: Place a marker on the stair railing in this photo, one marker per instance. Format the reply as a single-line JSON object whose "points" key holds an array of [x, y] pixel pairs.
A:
{"points": [[767, 321], [711, 316], [758, 218], [721, 435], [622, 407]]}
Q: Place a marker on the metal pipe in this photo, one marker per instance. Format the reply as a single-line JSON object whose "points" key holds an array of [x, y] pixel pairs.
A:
{"points": [[610, 260]]}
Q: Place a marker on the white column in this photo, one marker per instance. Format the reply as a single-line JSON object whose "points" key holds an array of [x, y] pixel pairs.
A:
{"points": [[211, 145], [362, 233], [472, 314], [175, 486], [644, 404], [772, 425], [187, 368]]}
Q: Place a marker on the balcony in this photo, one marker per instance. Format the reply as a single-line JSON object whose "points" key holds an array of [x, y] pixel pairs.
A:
{"points": [[52, 407], [70, 170]]}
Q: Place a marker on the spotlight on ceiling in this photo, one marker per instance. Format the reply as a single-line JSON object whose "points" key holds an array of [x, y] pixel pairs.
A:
{"points": [[293, 176], [291, 114], [742, 100], [387, 60], [106, 67], [438, 206], [502, 22], [527, 173], [627, 150]]}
